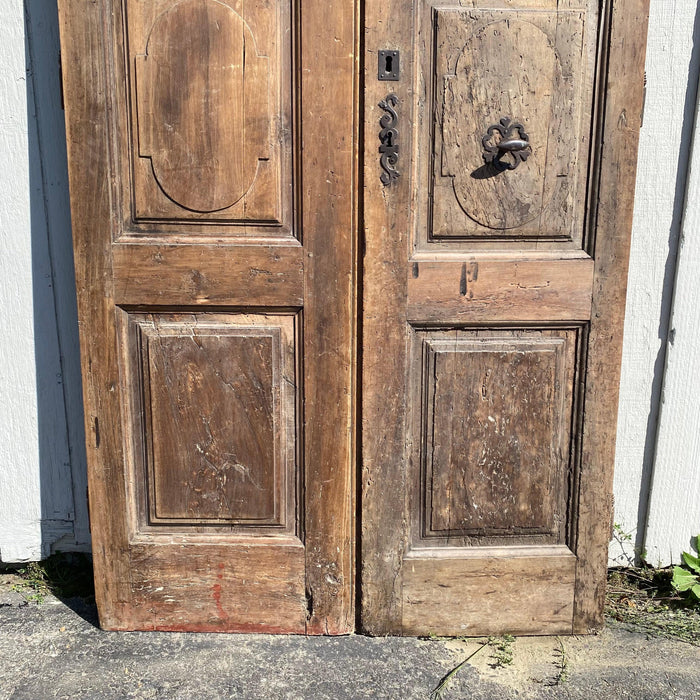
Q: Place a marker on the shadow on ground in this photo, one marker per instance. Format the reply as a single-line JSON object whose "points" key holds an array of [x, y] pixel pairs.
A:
{"points": [[50, 647], [64, 577]]}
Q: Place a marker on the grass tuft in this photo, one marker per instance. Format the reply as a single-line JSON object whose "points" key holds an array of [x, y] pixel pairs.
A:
{"points": [[65, 575], [645, 599]]}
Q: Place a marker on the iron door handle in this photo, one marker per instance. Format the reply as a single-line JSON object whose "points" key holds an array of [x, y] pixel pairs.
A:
{"points": [[513, 140]]}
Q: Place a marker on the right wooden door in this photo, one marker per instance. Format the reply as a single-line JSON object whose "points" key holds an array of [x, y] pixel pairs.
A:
{"points": [[500, 151]]}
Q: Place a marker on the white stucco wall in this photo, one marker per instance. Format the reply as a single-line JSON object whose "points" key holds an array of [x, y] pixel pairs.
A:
{"points": [[20, 505]]}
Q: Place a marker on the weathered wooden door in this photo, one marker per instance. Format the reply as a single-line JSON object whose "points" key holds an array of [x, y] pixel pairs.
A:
{"points": [[212, 149], [211, 155], [496, 245]]}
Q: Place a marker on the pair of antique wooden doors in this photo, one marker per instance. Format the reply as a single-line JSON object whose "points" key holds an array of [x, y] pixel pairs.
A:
{"points": [[351, 321]]}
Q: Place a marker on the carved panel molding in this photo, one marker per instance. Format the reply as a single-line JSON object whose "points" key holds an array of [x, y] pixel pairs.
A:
{"points": [[532, 68], [203, 119], [493, 423], [213, 407], [209, 89]]}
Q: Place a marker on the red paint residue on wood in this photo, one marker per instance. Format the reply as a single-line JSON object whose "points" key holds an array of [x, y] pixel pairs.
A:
{"points": [[228, 627], [216, 594]]}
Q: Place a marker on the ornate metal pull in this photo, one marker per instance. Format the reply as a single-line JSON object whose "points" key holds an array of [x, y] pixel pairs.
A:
{"points": [[513, 140], [389, 137]]}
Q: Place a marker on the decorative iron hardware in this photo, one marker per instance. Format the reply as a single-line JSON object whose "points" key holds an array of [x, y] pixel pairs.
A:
{"points": [[389, 137], [513, 140], [388, 65]]}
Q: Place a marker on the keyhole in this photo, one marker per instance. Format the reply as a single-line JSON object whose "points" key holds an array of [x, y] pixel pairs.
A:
{"points": [[390, 139], [388, 65]]}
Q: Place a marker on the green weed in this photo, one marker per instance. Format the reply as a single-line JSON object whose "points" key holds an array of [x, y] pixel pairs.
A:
{"points": [[646, 599], [686, 579], [503, 650]]}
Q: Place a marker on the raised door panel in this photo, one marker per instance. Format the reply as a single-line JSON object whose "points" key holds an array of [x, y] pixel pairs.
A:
{"points": [[493, 428], [213, 406], [501, 76], [521, 75], [208, 84]]}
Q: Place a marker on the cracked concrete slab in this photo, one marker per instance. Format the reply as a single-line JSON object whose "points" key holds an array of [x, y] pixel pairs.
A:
{"points": [[55, 650]]}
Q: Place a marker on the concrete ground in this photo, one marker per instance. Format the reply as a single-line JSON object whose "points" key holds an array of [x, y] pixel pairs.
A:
{"points": [[55, 650]]}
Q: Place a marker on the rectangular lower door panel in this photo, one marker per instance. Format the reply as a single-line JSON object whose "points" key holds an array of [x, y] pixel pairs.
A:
{"points": [[214, 421], [492, 418]]}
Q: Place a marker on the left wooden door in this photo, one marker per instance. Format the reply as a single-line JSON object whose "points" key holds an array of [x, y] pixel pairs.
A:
{"points": [[212, 168]]}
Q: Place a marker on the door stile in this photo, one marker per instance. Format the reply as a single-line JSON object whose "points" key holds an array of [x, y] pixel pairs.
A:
{"points": [[83, 48], [623, 104], [329, 35], [387, 234]]}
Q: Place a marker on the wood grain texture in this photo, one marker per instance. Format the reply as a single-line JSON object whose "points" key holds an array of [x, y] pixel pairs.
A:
{"points": [[493, 592], [212, 453], [179, 371], [213, 411], [202, 105], [386, 221], [533, 78], [489, 291], [458, 284], [495, 425], [328, 205], [82, 29], [243, 587], [554, 79], [249, 275], [619, 132], [209, 85]]}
